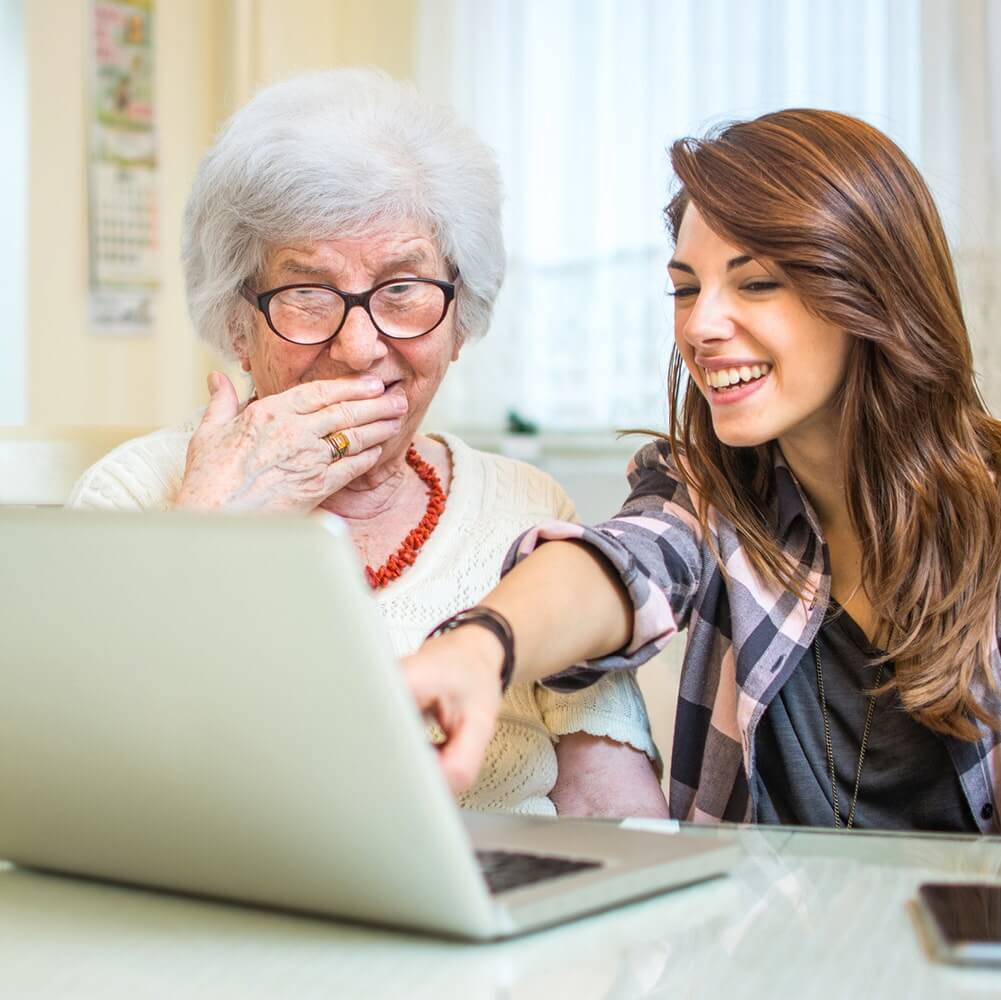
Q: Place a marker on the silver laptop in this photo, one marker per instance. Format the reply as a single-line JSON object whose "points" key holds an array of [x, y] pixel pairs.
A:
{"points": [[210, 705]]}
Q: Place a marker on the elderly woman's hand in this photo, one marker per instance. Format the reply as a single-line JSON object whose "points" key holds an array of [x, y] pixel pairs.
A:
{"points": [[271, 454]]}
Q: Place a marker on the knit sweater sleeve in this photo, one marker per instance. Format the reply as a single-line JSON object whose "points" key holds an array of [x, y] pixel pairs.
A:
{"points": [[612, 707], [142, 474]]}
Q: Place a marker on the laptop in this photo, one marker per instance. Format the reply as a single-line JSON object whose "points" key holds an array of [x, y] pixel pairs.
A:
{"points": [[210, 705]]}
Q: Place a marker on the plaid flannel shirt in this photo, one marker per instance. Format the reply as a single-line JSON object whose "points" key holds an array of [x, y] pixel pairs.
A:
{"points": [[745, 637]]}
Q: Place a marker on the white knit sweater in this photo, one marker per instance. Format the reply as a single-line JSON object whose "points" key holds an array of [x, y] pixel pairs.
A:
{"points": [[491, 500]]}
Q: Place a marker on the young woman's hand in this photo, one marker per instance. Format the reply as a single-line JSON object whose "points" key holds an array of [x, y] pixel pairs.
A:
{"points": [[455, 677]]}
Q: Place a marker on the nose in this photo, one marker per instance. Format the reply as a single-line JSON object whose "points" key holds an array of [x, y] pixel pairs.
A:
{"points": [[358, 344], [710, 320]]}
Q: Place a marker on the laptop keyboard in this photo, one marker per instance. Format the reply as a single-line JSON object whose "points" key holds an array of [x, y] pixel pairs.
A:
{"points": [[505, 870]]}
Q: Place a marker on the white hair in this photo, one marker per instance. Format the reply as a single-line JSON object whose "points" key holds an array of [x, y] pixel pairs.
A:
{"points": [[329, 155]]}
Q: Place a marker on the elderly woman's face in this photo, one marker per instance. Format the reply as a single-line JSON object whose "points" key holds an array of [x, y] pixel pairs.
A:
{"points": [[413, 367]]}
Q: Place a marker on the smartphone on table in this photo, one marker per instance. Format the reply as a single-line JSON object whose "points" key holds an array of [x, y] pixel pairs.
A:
{"points": [[963, 920]]}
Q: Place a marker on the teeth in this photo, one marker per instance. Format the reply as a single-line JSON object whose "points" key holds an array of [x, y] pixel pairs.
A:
{"points": [[724, 377]]}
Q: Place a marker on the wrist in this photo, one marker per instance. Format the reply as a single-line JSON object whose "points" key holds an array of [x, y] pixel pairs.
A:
{"points": [[490, 644], [181, 501], [196, 495], [188, 500]]}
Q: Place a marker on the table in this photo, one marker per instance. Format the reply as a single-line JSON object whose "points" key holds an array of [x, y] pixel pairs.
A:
{"points": [[805, 914]]}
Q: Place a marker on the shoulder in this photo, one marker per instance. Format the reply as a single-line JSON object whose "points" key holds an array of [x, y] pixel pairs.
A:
{"points": [[505, 484], [654, 477], [140, 474]]}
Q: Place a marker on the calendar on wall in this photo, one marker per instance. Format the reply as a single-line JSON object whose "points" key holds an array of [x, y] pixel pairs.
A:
{"points": [[124, 234]]}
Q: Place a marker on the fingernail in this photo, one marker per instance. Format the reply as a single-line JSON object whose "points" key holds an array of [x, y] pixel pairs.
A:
{"points": [[398, 402], [372, 383]]}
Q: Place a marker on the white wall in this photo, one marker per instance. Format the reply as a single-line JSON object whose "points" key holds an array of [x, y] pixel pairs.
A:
{"points": [[75, 377], [13, 168], [209, 57]]}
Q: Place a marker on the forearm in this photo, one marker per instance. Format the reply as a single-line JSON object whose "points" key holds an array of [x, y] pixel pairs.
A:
{"points": [[599, 777], [565, 604]]}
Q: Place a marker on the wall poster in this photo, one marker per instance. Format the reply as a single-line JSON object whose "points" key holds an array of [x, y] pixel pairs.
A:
{"points": [[124, 236]]}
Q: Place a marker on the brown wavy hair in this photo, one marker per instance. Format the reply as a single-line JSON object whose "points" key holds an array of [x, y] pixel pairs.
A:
{"points": [[848, 220]]}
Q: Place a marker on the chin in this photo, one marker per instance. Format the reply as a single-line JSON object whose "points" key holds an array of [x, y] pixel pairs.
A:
{"points": [[742, 437], [395, 448]]}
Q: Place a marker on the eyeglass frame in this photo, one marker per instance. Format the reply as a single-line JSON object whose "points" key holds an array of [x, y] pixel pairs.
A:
{"points": [[262, 301]]}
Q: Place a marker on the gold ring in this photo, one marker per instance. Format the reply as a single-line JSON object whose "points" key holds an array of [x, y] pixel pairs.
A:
{"points": [[339, 445]]}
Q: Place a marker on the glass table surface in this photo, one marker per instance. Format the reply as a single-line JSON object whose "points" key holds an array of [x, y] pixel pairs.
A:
{"points": [[804, 913]]}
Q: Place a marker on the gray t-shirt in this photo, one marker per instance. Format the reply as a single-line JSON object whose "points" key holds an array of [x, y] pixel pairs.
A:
{"points": [[908, 779]]}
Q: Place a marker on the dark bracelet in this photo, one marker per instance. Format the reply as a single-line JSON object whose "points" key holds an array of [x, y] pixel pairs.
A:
{"points": [[492, 621]]}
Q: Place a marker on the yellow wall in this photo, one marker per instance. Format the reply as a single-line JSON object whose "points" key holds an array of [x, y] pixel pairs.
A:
{"points": [[210, 56]]}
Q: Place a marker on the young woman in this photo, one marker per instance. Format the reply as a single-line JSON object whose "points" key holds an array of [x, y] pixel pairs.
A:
{"points": [[823, 516]]}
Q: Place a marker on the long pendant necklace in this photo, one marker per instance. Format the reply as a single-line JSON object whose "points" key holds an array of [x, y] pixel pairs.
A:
{"points": [[410, 547], [870, 710]]}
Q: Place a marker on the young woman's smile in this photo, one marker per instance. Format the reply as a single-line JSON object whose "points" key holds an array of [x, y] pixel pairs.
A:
{"points": [[732, 381]]}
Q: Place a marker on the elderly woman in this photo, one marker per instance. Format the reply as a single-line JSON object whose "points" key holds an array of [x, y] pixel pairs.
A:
{"points": [[343, 241]]}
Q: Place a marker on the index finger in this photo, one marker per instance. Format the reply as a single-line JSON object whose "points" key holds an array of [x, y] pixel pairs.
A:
{"points": [[466, 716], [465, 749], [315, 395]]}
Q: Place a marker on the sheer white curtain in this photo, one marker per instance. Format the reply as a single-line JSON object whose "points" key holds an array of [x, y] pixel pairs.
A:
{"points": [[961, 157], [580, 99]]}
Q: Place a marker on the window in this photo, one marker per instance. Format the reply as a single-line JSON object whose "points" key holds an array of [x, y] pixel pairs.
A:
{"points": [[13, 210], [580, 99]]}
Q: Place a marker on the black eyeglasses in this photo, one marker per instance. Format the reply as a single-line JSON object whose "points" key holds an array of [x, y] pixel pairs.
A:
{"points": [[401, 308]]}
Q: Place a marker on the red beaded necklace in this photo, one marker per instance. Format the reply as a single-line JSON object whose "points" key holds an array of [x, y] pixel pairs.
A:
{"points": [[405, 555]]}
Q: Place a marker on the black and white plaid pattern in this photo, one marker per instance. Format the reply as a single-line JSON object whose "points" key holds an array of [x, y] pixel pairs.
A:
{"points": [[745, 637]]}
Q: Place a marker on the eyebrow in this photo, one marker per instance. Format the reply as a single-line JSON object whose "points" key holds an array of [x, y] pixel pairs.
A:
{"points": [[414, 259], [407, 260], [731, 265], [305, 270]]}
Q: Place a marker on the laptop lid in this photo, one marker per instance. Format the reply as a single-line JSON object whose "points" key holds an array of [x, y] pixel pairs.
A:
{"points": [[210, 704]]}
